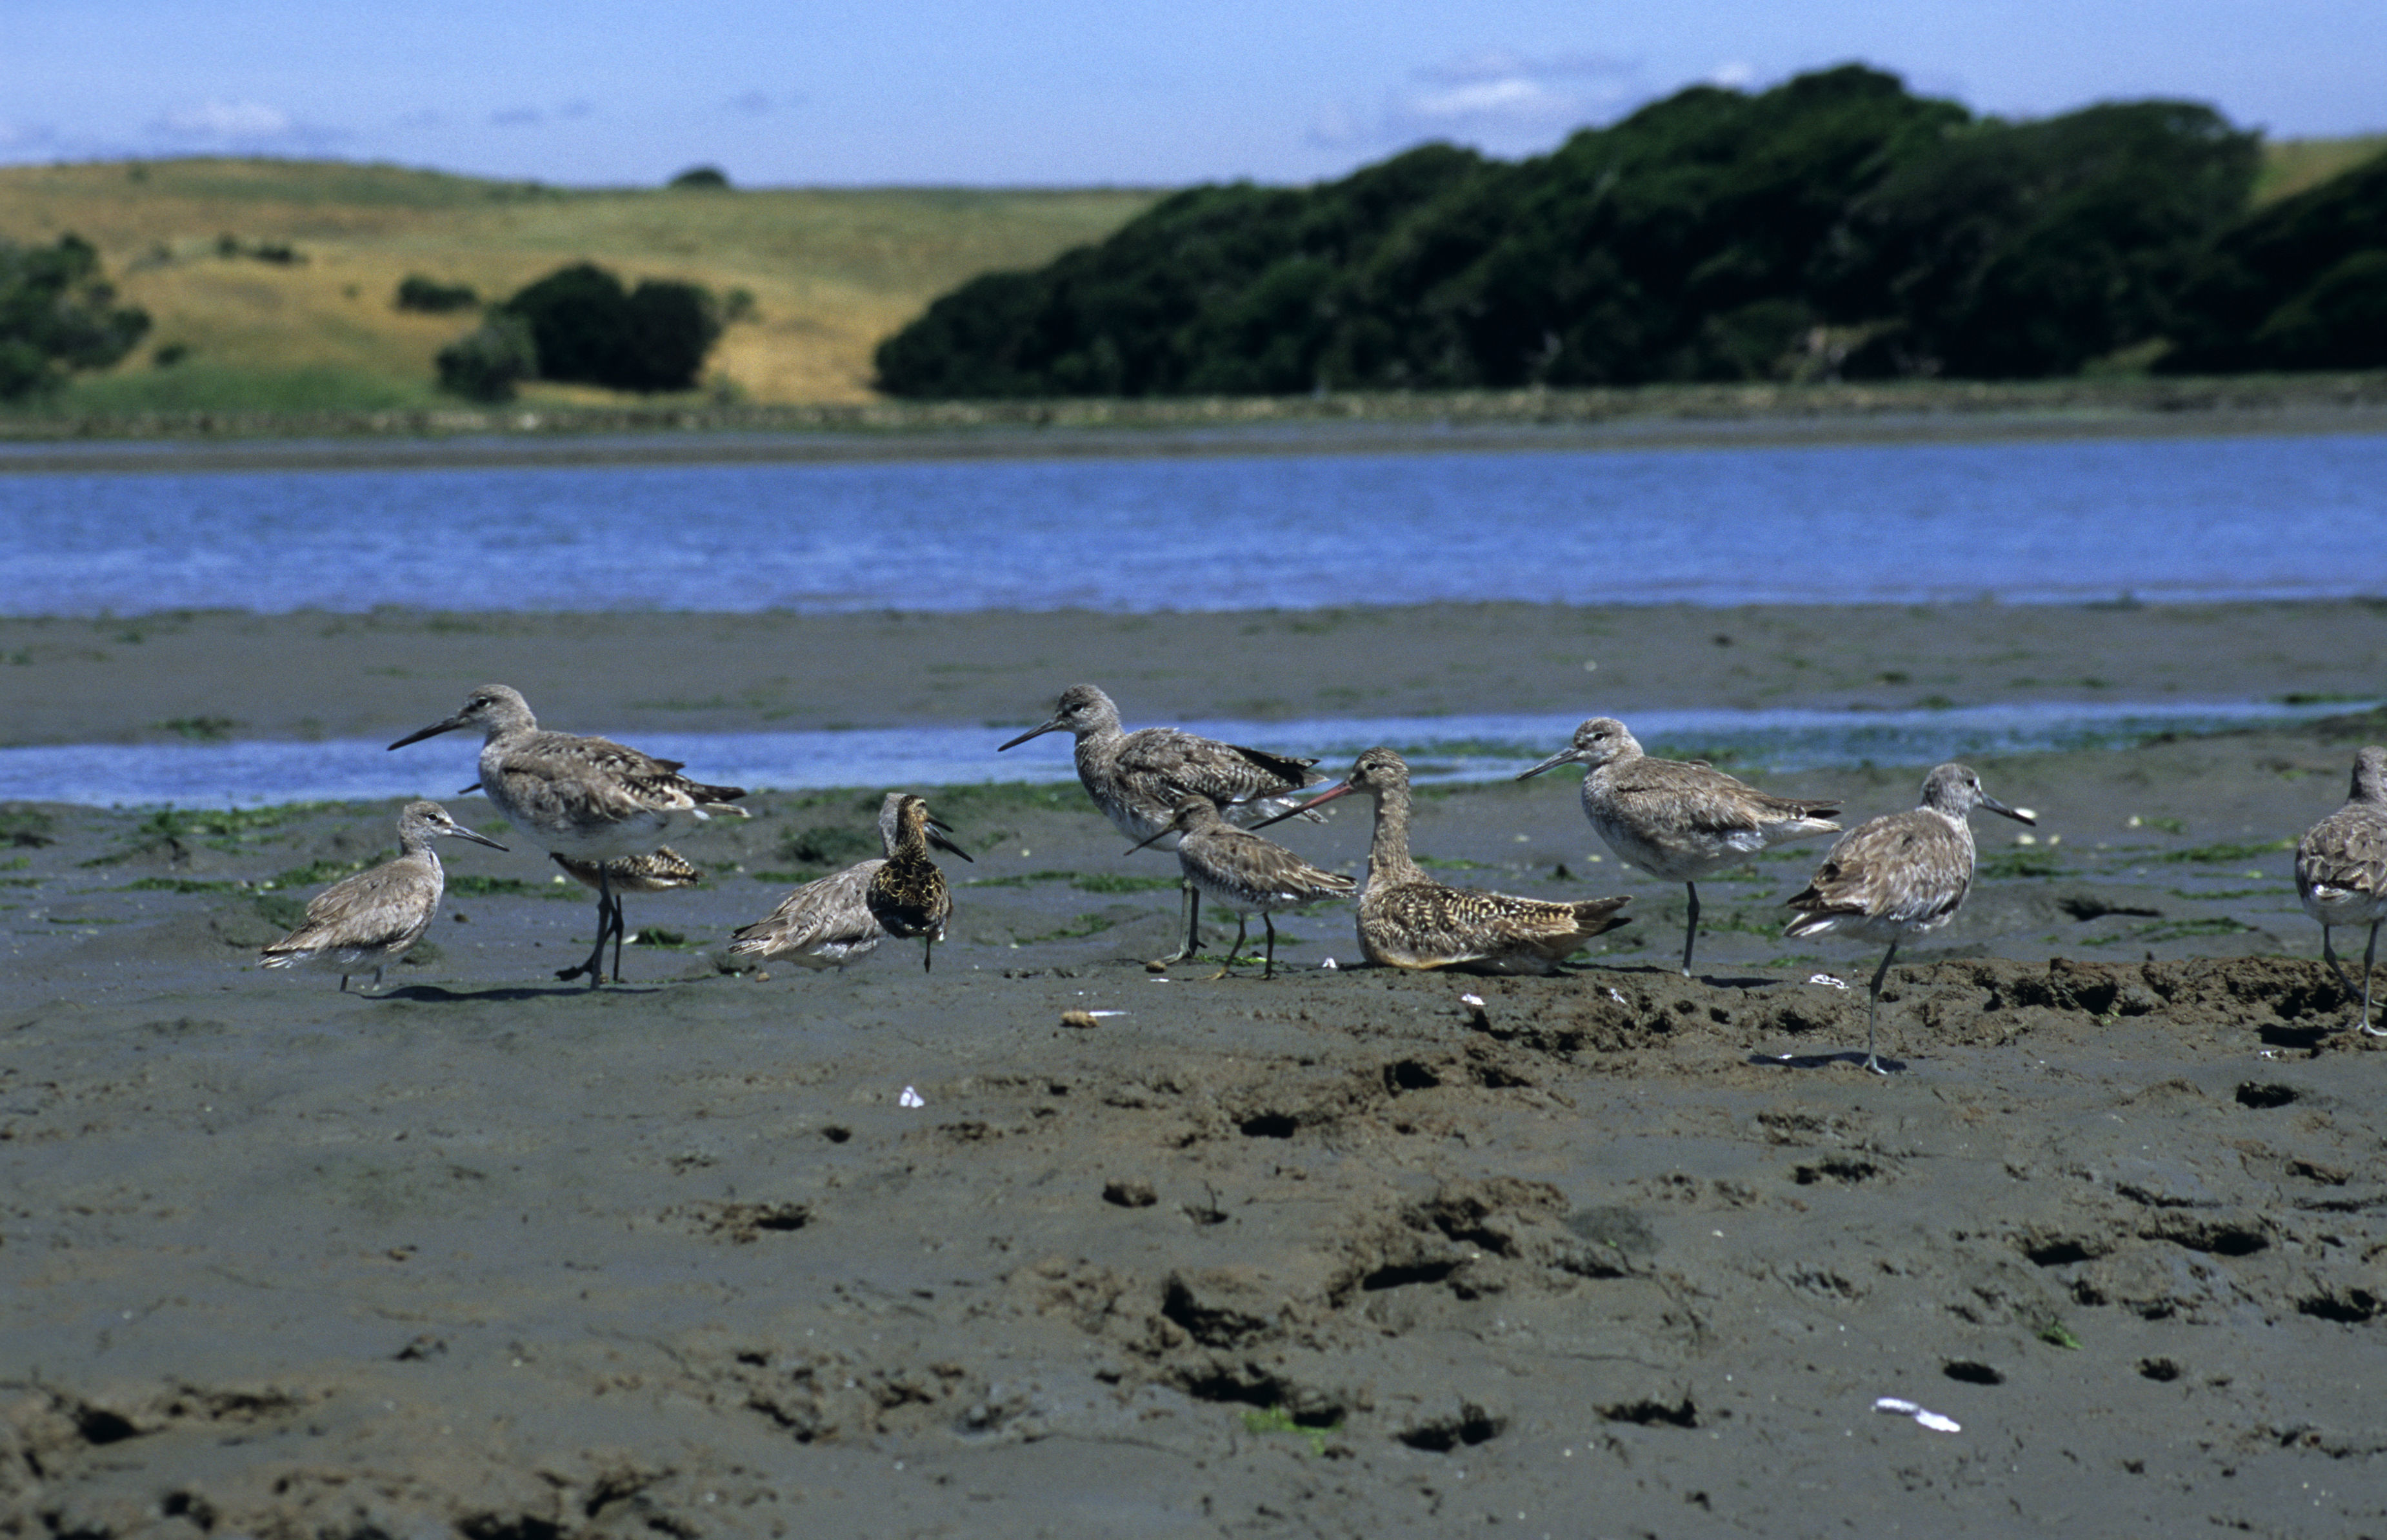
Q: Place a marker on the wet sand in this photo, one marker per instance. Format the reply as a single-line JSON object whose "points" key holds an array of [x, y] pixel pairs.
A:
{"points": [[1330, 1254]]}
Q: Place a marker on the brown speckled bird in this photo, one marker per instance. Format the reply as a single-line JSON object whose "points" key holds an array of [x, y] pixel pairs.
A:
{"points": [[908, 895], [1239, 870], [1408, 920], [659, 871], [828, 922], [371, 919], [2342, 869]]}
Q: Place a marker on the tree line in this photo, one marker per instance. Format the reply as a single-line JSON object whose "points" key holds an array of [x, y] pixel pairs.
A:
{"points": [[1836, 226]]}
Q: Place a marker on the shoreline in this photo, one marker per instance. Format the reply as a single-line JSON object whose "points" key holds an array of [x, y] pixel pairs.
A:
{"points": [[231, 676], [1641, 418]]}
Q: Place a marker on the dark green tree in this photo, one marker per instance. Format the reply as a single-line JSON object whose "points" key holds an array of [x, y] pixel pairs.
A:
{"points": [[2301, 285], [589, 329], [488, 361], [58, 315]]}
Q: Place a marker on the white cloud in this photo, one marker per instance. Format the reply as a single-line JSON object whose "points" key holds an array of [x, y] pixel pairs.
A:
{"points": [[1503, 102], [1734, 74], [236, 126]]}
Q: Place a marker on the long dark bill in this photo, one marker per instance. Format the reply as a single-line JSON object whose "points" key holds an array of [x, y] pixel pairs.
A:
{"points": [[1032, 732], [1344, 789], [431, 731]]}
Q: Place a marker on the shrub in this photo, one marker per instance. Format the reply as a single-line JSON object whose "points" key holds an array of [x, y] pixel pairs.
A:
{"points": [[487, 362], [701, 177], [433, 297], [587, 328], [2301, 285], [57, 315]]}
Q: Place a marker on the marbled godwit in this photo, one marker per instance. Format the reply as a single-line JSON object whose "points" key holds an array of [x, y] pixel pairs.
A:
{"points": [[659, 871], [369, 920], [1138, 779], [1899, 876], [587, 798], [2342, 869], [828, 922], [1245, 872], [907, 895], [1679, 822], [1408, 920]]}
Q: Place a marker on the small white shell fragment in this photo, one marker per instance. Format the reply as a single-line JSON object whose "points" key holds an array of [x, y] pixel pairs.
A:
{"points": [[1613, 995], [1474, 1000], [910, 1098], [1828, 980], [1898, 1407], [1327, 965]]}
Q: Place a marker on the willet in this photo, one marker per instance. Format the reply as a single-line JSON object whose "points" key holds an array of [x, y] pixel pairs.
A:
{"points": [[2342, 869], [588, 798], [370, 920], [1679, 822], [1408, 920], [828, 922], [659, 871], [1245, 872], [907, 895], [1138, 779], [1899, 876]]}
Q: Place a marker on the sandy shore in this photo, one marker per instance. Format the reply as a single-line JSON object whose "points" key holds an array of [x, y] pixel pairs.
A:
{"points": [[1331, 1254]]}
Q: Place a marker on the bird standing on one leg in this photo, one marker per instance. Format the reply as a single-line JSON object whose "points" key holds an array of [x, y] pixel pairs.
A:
{"points": [[1679, 822], [908, 896], [587, 798], [370, 920], [2342, 870], [1899, 876]]}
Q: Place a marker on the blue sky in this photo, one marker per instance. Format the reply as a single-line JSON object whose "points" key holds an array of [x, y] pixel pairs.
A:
{"points": [[1074, 92]]}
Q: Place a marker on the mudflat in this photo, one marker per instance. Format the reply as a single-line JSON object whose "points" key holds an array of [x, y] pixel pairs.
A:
{"points": [[1341, 1252]]}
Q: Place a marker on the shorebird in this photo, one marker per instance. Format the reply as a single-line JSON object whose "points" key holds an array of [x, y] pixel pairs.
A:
{"points": [[828, 922], [370, 920], [588, 798], [1408, 920], [1138, 779], [659, 871], [1245, 872], [1679, 822], [2342, 869], [907, 895], [1898, 875]]}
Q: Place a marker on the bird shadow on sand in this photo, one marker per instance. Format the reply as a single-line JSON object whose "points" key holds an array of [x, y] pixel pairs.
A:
{"points": [[1824, 1061], [435, 995]]}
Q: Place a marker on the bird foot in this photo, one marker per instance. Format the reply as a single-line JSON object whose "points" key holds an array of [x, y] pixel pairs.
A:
{"points": [[2369, 1030], [1875, 1065]]}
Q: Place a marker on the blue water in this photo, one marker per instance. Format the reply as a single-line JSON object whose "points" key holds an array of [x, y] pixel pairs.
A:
{"points": [[2163, 519], [1440, 749]]}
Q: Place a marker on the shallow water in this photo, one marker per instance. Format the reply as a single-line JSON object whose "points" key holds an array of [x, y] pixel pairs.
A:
{"points": [[2180, 519], [1441, 749]]}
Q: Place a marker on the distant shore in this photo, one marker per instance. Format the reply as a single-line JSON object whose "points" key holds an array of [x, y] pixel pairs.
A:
{"points": [[1626, 418]]}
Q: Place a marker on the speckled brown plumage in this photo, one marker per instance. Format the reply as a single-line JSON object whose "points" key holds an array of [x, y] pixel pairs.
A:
{"points": [[827, 922], [908, 896], [1408, 920], [1246, 873]]}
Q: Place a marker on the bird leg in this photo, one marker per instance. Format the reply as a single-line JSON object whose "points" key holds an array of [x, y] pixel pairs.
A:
{"points": [[1872, 1008], [1690, 927], [1189, 906], [2328, 955], [1241, 921], [1269, 920], [609, 914], [927, 951], [2367, 954]]}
